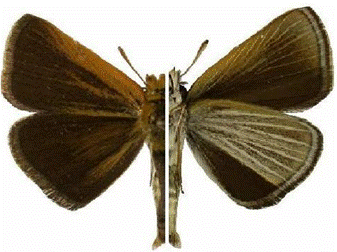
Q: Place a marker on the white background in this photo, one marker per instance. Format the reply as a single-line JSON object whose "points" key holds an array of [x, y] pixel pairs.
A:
{"points": [[123, 219]]}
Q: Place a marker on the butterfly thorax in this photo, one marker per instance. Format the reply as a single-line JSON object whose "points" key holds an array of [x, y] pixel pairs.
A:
{"points": [[153, 112]]}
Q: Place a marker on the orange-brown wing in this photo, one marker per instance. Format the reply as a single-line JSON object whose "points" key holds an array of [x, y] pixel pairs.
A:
{"points": [[87, 130], [74, 158], [285, 66], [44, 69]]}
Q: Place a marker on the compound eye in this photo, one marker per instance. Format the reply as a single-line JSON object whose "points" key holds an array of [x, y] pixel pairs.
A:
{"points": [[183, 92], [170, 90]]}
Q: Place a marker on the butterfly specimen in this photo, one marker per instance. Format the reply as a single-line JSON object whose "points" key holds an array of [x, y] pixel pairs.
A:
{"points": [[233, 115], [91, 119]]}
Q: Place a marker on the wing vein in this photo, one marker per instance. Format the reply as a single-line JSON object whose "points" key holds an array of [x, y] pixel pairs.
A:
{"points": [[222, 142], [249, 138]]}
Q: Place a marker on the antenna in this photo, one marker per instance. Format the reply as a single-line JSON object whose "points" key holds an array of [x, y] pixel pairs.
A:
{"points": [[128, 61], [201, 49]]}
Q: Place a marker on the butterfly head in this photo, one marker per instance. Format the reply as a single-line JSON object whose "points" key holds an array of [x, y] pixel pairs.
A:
{"points": [[155, 88], [176, 89], [178, 92]]}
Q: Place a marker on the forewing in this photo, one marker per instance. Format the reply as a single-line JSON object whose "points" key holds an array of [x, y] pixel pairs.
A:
{"points": [[44, 69], [285, 66], [73, 158], [255, 154]]}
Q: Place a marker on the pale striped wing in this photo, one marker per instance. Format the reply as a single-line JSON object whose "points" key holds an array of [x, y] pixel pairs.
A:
{"points": [[285, 66], [255, 154]]}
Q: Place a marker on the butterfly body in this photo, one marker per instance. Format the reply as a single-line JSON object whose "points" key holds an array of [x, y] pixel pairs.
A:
{"points": [[153, 118], [177, 129]]}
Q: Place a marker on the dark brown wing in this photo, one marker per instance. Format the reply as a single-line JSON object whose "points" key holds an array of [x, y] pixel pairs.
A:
{"points": [[285, 66], [74, 158], [44, 69]]}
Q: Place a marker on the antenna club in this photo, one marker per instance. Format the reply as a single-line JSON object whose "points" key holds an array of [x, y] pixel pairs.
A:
{"points": [[120, 49], [201, 49]]}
